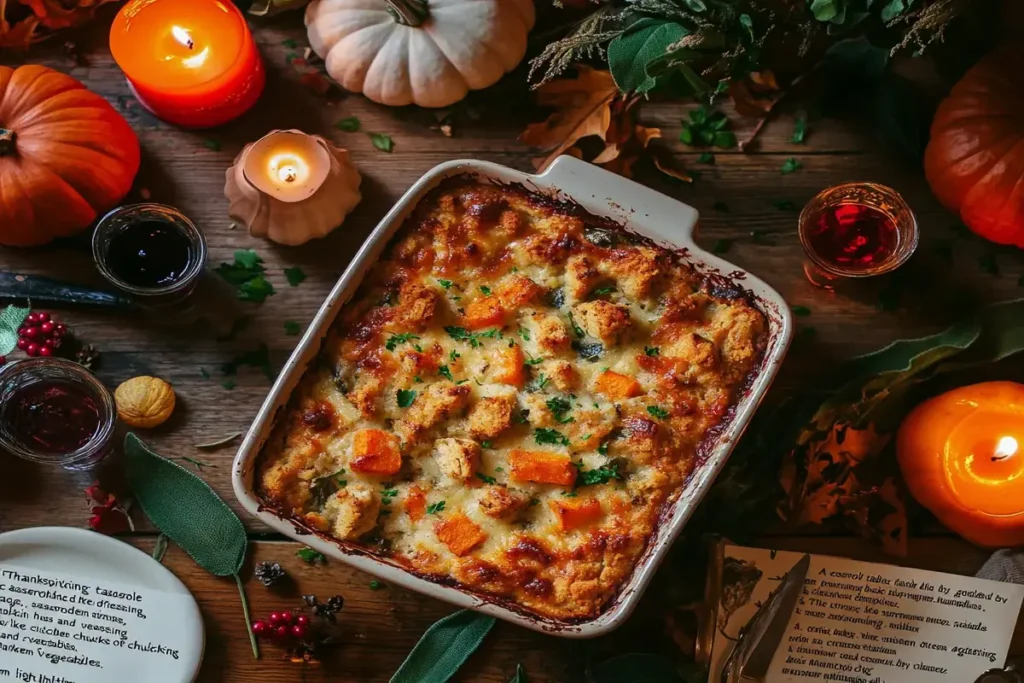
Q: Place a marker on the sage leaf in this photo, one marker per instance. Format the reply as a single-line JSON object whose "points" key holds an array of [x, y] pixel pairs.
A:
{"points": [[642, 45], [11, 319], [444, 648], [521, 676]]}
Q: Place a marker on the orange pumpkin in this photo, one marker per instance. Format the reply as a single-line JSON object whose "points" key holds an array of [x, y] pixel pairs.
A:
{"points": [[66, 156], [975, 157], [962, 456]]}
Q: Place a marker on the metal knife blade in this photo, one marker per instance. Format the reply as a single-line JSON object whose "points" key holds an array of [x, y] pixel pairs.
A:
{"points": [[44, 289], [778, 611]]}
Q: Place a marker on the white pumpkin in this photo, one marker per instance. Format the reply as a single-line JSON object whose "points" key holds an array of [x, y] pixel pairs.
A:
{"points": [[425, 52]]}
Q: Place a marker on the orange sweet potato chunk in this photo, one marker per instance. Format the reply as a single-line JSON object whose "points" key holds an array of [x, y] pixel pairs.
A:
{"points": [[542, 467], [375, 452], [415, 503], [517, 291], [574, 513], [484, 312], [511, 367], [459, 533], [614, 385]]}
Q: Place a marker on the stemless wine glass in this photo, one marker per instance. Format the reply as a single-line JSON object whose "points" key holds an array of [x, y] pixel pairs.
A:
{"points": [[827, 272]]}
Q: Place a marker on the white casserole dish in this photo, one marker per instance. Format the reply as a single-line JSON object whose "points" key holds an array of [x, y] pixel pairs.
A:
{"points": [[638, 209]]}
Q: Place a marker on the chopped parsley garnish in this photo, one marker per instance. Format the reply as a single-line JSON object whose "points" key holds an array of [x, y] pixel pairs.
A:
{"points": [[485, 479], [706, 158], [534, 361], [322, 488], [382, 141], [658, 412], [485, 290], [292, 328], [486, 444], [405, 398], [602, 291], [388, 495], [577, 330], [539, 383], [790, 165], [652, 350], [603, 448], [349, 124], [524, 333], [799, 131], [569, 494], [534, 501], [598, 475], [229, 384], [454, 355], [445, 372], [310, 556], [417, 379], [434, 508], [295, 276], [246, 274], [396, 339], [376, 585], [499, 469], [559, 406], [447, 284], [543, 435], [462, 334]]}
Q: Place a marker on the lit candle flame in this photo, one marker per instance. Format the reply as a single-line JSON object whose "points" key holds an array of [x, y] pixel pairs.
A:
{"points": [[1005, 448], [287, 174], [182, 36]]}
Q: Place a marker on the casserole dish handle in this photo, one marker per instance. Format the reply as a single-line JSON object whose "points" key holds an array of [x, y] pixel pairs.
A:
{"points": [[597, 190]]}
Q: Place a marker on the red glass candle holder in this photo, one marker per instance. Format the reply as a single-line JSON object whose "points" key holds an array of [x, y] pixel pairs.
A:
{"points": [[192, 63], [856, 230]]}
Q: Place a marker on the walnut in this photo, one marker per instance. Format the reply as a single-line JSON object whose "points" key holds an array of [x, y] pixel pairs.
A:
{"points": [[144, 402]]}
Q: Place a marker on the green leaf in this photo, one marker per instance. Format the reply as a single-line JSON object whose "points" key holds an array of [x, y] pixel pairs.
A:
{"points": [[825, 10], [295, 276], [434, 508], [290, 43], [790, 165], [892, 10], [11, 319], [725, 139], [520, 672], [444, 648], [229, 384], [645, 42], [686, 134], [799, 131], [658, 412], [748, 24], [544, 435], [185, 508], [292, 328], [706, 158], [405, 398], [383, 142], [485, 478], [349, 124], [376, 585], [212, 145], [310, 556]]}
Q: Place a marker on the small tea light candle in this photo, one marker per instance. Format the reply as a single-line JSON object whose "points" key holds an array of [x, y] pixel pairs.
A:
{"points": [[290, 166], [193, 63], [962, 455]]}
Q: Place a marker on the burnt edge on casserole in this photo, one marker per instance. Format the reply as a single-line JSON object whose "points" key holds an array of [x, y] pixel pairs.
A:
{"points": [[602, 232]]}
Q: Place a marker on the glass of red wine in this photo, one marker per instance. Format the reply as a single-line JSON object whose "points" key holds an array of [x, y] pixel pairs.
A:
{"points": [[856, 230]]}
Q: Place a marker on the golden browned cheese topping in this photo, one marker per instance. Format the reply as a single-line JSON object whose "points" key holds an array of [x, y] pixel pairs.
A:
{"points": [[511, 399]]}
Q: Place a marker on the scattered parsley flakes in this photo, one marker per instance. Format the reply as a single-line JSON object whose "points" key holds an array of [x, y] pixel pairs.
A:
{"points": [[246, 274], [294, 275], [291, 43], [211, 144], [534, 361], [376, 585], [790, 165], [388, 494], [603, 448], [462, 334], [524, 333], [576, 329], [799, 131], [485, 478], [382, 141], [658, 412], [603, 291], [446, 372], [721, 246], [599, 475], [405, 398], [349, 124], [454, 355], [652, 350], [485, 290], [543, 435], [721, 207], [541, 382], [434, 508], [487, 444], [229, 384], [559, 406], [396, 339], [706, 158], [447, 284], [310, 556], [292, 328], [802, 311]]}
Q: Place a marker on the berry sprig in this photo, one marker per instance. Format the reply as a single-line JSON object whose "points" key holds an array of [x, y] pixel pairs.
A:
{"points": [[304, 633], [41, 335], [283, 627]]}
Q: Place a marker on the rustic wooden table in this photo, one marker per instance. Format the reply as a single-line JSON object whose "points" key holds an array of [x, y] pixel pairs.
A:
{"points": [[737, 196]]}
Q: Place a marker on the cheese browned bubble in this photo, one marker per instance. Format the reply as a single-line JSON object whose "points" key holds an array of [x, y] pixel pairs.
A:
{"points": [[510, 400]]}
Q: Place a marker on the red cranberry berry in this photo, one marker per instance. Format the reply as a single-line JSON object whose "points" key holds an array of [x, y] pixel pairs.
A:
{"points": [[260, 628], [281, 632], [23, 343], [286, 617], [274, 619], [60, 329], [299, 632], [31, 332], [42, 317], [47, 327], [32, 349], [51, 343], [45, 351], [302, 620], [3, 361]]}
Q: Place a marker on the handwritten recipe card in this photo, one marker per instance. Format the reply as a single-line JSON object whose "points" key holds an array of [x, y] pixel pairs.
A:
{"points": [[858, 622], [60, 629]]}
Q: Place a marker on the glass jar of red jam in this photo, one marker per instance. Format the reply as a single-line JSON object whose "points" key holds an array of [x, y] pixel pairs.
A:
{"points": [[55, 411]]}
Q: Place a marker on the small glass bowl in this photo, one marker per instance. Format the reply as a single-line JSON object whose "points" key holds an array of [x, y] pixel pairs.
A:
{"points": [[823, 272], [122, 218], [19, 374]]}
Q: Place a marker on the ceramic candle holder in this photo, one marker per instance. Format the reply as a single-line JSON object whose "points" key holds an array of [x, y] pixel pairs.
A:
{"points": [[290, 187]]}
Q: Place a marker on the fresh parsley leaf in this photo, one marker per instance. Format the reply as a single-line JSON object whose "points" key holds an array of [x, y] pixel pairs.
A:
{"points": [[212, 145], [322, 488], [569, 494], [417, 379], [290, 43], [603, 291], [376, 585], [310, 556], [454, 355], [229, 384], [462, 334], [486, 444], [799, 131], [246, 274], [657, 412], [576, 329], [256, 290], [790, 165], [524, 333], [445, 372], [599, 475], [292, 328], [652, 350], [539, 383], [294, 275], [405, 398], [603, 448], [559, 406], [396, 339], [802, 311], [434, 508], [721, 246], [388, 494], [447, 284], [485, 290], [349, 124], [543, 435], [382, 142], [485, 478], [706, 158], [725, 139], [534, 361]]}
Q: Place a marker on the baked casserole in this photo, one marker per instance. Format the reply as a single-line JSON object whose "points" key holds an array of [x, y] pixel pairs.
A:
{"points": [[511, 399]]}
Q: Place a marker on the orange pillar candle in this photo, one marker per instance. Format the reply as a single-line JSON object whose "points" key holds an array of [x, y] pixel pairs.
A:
{"points": [[962, 456], [193, 63]]}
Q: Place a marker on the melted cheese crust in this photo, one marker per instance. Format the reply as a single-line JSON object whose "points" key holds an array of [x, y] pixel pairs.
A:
{"points": [[511, 399]]}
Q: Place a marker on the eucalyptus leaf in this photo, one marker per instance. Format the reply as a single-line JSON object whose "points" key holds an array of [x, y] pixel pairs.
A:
{"points": [[444, 648], [643, 44], [825, 10]]}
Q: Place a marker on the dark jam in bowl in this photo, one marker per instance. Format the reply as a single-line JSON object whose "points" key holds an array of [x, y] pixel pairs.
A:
{"points": [[53, 416], [149, 253], [853, 236]]}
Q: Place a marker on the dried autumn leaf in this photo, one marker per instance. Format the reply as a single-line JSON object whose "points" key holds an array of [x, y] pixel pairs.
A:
{"points": [[23, 22], [632, 150], [879, 514], [583, 108], [666, 163]]}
